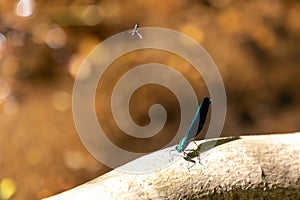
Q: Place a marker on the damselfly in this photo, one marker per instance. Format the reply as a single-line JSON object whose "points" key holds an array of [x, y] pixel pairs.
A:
{"points": [[135, 31], [194, 128], [196, 125]]}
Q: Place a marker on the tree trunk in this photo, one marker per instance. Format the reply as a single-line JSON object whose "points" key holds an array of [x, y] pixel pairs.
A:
{"points": [[252, 167]]}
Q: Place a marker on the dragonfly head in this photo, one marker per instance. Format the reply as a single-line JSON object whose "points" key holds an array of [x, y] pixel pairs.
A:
{"points": [[178, 148]]}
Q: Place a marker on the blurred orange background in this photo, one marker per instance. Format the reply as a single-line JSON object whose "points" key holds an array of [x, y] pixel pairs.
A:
{"points": [[255, 45]]}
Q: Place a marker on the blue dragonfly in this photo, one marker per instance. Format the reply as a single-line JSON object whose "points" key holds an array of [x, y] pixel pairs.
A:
{"points": [[196, 125]]}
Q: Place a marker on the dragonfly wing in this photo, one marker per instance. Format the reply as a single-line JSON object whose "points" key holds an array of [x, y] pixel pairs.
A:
{"points": [[199, 119], [140, 36], [196, 125], [204, 106]]}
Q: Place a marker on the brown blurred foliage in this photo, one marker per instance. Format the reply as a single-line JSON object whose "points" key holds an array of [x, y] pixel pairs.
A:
{"points": [[255, 45]]}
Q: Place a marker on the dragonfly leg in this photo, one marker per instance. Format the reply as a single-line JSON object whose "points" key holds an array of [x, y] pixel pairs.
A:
{"points": [[172, 156], [189, 159], [199, 159], [194, 163]]}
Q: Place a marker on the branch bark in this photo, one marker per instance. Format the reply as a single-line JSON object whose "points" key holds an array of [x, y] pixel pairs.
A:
{"points": [[253, 167]]}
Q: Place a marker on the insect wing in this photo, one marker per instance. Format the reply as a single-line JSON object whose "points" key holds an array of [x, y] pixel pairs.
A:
{"points": [[140, 36], [203, 110], [199, 119]]}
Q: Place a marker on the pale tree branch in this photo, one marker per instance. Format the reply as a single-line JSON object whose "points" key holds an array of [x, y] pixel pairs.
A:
{"points": [[252, 167]]}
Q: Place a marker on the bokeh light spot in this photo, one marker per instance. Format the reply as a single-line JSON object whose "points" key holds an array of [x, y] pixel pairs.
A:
{"points": [[56, 38], [7, 188], [2, 42], [92, 15], [74, 65], [110, 8], [193, 31], [74, 160], [229, 21], [25, 8], [11, 105], [4, 89], [62, 101]]}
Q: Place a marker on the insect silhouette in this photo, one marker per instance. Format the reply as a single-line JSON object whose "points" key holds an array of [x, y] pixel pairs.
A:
{"points": [[196, 125], [135, 31], [193, 130]]}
